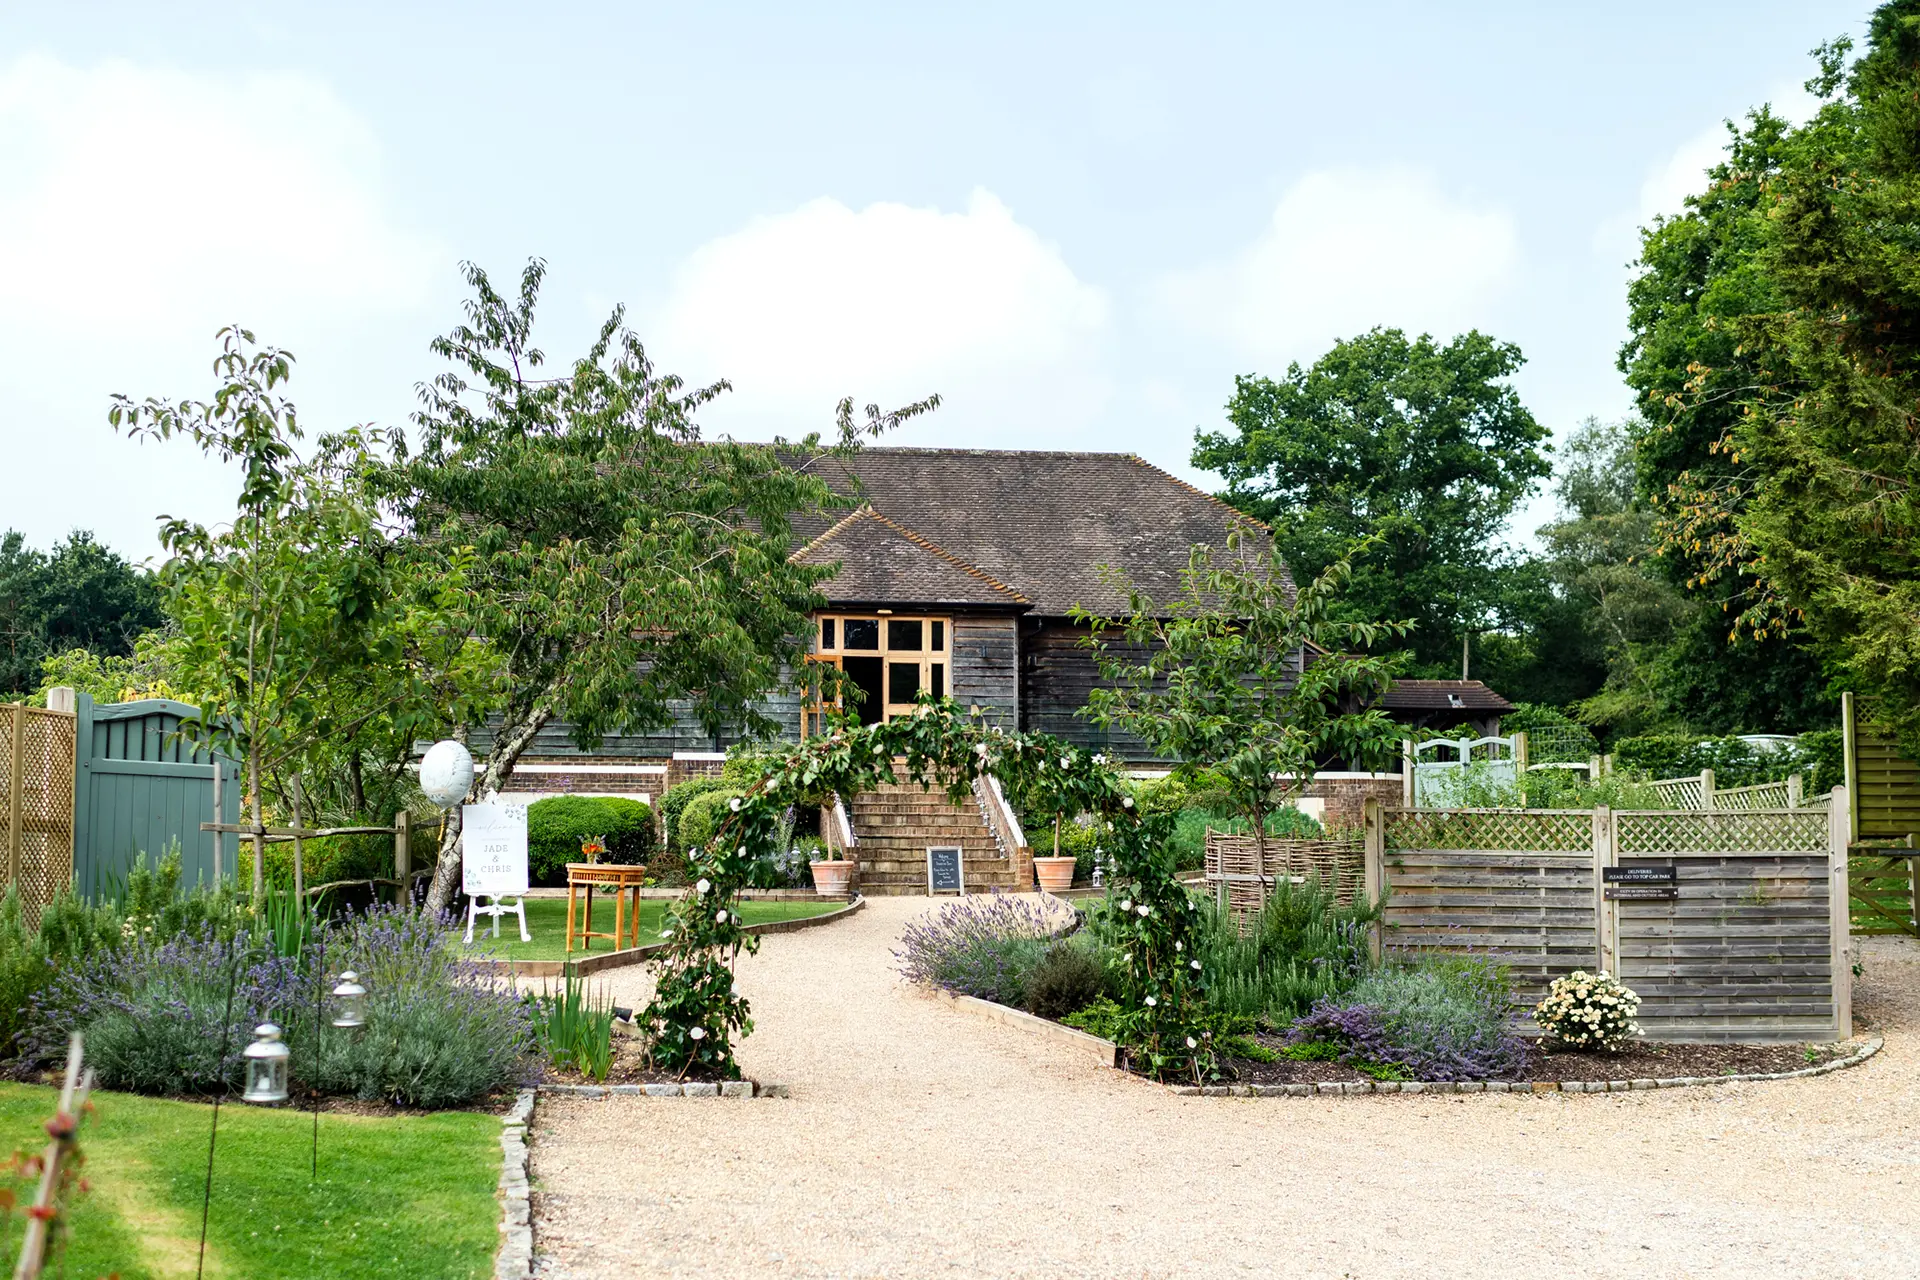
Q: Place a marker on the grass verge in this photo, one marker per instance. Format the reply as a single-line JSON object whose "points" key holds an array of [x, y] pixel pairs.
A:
{"points": [[401, 1197], [547, 922]]}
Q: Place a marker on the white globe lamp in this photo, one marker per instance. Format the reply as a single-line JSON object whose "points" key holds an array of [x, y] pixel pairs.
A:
{"points": [[446, 773]]}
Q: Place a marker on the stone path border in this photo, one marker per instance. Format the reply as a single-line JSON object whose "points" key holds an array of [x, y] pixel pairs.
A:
{"points": [[691, 1089], [515, 1259], [639, 955], [1351, 1087]]}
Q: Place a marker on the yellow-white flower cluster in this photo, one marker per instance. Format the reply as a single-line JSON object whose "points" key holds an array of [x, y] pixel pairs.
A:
{"points": [[1588, 1011]]}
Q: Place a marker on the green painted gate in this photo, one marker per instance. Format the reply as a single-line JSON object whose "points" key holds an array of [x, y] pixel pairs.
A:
{"points": [[138, 786]]}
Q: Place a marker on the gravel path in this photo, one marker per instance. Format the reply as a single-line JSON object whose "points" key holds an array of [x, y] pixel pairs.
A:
{"points": [[922, 1141]]}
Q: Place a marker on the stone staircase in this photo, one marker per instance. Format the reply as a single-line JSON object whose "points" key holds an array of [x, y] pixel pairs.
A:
{"points": [[896, 823]]}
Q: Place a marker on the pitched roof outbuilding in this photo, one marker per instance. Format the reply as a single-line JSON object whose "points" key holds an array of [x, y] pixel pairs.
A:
{"points": [[1443, 695], [881, 562], [1038, 523]]}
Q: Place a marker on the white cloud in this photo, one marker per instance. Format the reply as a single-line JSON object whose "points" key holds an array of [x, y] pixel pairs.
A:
{"points": [[1347, 250], [140, 210], [887, 304]]}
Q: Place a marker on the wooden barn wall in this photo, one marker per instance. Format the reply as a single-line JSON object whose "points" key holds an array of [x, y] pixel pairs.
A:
{"points": [[1056, 674], [684, 734], [985, 655]]}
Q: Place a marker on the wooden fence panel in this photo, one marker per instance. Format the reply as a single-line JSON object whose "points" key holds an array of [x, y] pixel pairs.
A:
{"points": [[140, 788], [36, 801], [1531, 911]]}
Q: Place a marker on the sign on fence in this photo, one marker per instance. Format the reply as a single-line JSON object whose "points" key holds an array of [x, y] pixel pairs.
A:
{"points": [[493, 849]]}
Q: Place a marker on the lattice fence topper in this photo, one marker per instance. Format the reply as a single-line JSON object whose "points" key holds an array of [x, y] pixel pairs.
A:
{"points": [[1516, 830], [1721, 831], [44, 806]]}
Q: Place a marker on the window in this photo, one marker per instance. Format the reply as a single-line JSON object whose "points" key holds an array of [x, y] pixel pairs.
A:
{"points": [[889, 660]]}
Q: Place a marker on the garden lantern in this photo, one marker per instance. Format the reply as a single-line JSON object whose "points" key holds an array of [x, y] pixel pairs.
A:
{"points": [[446, 773], [350, 1002], [266, 1066]]}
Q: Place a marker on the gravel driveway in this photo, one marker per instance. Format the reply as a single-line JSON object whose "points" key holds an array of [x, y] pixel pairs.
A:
{"points": [[922, 1141]]}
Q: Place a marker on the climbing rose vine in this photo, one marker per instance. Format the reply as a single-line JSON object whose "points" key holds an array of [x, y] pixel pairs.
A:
{"points": [[696, 1017]]}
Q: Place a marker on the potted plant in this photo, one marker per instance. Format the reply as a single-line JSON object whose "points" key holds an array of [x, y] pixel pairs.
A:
{"points": [[832, 873], [1056, 872]]}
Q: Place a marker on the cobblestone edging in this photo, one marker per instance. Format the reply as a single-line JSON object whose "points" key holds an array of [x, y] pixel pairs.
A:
{"points": [[1854, 1059], [515, 1259], [726, 1089]]}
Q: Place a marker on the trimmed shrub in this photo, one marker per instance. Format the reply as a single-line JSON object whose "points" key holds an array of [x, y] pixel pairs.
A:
{"points": [[557, 825], [1588, 1011], [1734, 763], [674, 801], [1066, 979], [703, 816]]}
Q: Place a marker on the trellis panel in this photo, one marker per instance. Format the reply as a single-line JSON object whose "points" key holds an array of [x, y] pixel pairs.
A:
{"points": [[36, 801]]}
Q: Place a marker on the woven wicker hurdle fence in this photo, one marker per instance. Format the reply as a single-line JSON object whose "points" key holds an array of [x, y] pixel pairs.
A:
{"points": [[1751, 944], [1241, 881], [36, 801]]}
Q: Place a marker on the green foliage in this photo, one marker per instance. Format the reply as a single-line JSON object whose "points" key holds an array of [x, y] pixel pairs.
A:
{"points": [[674, 801], [574, 1028], [1066, 978], [557, 825], [1214, 678], [1102, 1017], [153, 902], [1734, 763], [1312, 1051], [629, 570], [1552, 734], [1301, 948], [80, 598], [148, 673], [703, 815], [1423, 446], [330, 858]]}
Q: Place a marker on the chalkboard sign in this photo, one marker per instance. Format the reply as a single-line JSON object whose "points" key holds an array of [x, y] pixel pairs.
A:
{"points": [[944, 870]]}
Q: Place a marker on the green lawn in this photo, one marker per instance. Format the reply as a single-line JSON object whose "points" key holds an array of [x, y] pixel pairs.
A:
{"points": [[403, 1197], [547, 922]]}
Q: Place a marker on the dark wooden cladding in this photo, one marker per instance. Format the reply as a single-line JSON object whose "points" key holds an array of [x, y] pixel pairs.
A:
{"points": [[555, 739], [985, 652], [1057, 674]]}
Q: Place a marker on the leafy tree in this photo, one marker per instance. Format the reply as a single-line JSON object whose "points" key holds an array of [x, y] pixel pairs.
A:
{"points": [[80, 596], [1819, 515], [623, 567], [1700, 275], [1423, 445], [292, 623], [1220, 678]]}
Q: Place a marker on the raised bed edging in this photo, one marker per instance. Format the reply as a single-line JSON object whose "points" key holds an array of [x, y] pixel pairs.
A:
{"points": [[636, 955], [515, 1259], [689, 1089], [1350, 1087], [1105, 1052]]}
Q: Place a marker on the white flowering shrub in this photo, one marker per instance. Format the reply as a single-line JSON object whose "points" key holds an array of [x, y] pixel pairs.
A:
{"points": [[1588, 1011]]}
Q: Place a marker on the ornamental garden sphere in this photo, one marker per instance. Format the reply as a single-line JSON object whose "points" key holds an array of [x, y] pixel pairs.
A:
{"points": [[446, 773], [266, 1067]]}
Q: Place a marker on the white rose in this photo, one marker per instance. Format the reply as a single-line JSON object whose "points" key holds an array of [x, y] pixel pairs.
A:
{"points": [[734, 804], [720, 917], [698, 1033], [1151, 1002], [1126, 802], [703, 886]]}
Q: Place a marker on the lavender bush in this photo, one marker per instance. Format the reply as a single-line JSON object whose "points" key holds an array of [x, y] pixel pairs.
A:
{"points": [[439, 1032], [155, 1011], [981, 946], [1438, 1020]]}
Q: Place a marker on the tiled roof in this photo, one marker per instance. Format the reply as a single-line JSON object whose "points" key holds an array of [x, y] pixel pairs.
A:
{"points": [[1443, 695], [1038, 523], [880, 561]]}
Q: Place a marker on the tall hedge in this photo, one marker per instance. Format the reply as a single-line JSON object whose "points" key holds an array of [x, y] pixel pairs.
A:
{"points": [[557, 825], [674, 802], [703, 815], [1734, 763]]}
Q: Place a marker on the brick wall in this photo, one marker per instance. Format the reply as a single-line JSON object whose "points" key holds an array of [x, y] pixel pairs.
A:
{"points": [[1345, 796]]}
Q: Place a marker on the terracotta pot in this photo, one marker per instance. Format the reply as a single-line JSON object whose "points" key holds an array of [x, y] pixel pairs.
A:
{"points": [[1056, 874], [830, 878]]}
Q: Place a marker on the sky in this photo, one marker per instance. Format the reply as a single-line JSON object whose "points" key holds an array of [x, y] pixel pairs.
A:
{"points": [[1076, 223]]}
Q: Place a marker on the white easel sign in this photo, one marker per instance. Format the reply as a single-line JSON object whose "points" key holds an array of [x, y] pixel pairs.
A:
{"points": [[493, 849]]}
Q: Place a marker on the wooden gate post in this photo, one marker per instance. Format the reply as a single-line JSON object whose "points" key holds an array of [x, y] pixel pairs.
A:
{"points": [[1840, 893], [16, 779], [1706, 788], [1375, 820], [402, 857], [1606, 917]]}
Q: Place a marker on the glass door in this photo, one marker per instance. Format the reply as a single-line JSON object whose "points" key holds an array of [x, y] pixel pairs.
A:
{"points": [[887, 661]]}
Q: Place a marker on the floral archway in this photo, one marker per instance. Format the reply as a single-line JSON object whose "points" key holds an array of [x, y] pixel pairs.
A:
{"points": [[696, 1017]]}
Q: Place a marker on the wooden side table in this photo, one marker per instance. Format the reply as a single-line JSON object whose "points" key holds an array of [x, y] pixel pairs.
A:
{"points": [[624, 882]]}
